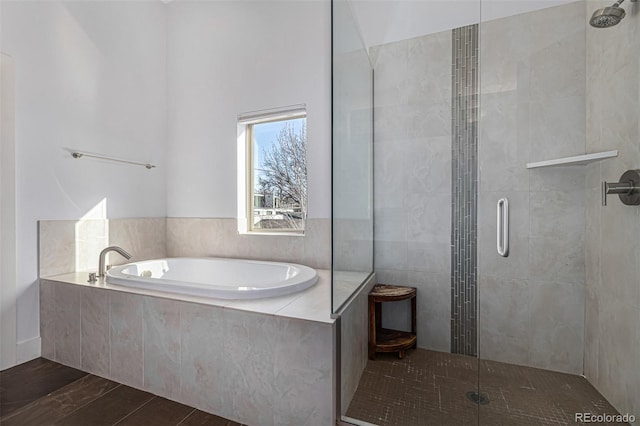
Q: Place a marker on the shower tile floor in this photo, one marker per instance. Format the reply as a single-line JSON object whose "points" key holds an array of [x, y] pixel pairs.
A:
{"points": [[429, 388]]}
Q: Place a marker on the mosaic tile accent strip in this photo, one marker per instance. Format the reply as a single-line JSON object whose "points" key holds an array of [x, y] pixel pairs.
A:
{"points": [[464, 188]]}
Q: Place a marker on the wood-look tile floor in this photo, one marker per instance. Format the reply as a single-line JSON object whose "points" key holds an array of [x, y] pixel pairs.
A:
{"points": [[43, 392], [429, 388]]}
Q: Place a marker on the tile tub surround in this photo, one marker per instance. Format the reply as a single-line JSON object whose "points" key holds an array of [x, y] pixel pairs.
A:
{"points": [[216, 237], [74, 245], [262, 362]]}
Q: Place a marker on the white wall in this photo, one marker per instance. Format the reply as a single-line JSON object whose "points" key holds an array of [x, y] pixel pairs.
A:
{"points": [[93, 76], [7, 214], [228, 57], [89, 76], [386, 21]]}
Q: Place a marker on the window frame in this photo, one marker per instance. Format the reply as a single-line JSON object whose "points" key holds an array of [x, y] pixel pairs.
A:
{"points": [[246, 123]]}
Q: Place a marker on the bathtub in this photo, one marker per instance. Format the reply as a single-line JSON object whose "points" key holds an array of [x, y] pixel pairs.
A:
{"points": [[215, 277]]}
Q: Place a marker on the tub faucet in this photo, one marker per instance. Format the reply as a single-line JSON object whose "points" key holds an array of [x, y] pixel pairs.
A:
{"points": [[101, 266]]}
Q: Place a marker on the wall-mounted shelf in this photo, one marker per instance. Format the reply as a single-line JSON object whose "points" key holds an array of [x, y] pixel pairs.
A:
{"points": [[576, 160]]}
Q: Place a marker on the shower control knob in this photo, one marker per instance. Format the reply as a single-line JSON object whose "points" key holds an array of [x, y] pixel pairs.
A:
{"points": [[628, 189]]}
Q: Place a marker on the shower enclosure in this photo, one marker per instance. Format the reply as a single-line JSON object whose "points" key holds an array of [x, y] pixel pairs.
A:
{"points": [[527, 315]]}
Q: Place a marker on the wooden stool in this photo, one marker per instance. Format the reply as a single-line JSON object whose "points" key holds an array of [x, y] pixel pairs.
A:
{"points": [[382, 339]]}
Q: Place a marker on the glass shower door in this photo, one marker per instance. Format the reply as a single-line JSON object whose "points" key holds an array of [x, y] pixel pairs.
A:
{"points": [[557, 306]]}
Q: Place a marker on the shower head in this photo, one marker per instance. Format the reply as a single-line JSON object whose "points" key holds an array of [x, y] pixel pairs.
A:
{"points": [[607, 16]]}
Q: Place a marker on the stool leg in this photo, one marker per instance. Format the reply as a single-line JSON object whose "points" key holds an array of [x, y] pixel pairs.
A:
{"points": [[372, 329], [401, 354], [413, 319]]}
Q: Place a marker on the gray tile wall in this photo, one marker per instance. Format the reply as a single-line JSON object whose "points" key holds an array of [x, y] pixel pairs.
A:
{"points": [[612, 320], [464, 189], [412, 175]]}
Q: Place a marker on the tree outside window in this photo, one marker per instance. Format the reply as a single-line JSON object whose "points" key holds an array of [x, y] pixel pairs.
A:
{"points": [[279, 174]]}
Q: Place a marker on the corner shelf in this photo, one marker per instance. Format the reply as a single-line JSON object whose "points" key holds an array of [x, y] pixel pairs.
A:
{"points": [[576, 160]]}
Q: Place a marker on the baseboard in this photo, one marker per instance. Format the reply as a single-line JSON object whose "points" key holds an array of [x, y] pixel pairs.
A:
{"points": [[29, 349]]}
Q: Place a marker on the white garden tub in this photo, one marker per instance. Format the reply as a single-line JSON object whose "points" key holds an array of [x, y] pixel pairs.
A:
{"points": [[215, 277]]}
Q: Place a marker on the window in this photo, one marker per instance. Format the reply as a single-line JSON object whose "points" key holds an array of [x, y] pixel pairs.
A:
{"points": [[275, 171]]}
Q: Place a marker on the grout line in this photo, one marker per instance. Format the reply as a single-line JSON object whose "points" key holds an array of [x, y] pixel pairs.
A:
{"points": [[131, 412], [89, 376], [94, 399], [187, 416]]}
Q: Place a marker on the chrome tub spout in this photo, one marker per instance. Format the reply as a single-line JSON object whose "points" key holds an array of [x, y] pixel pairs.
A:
{"points": [[103, 254]]}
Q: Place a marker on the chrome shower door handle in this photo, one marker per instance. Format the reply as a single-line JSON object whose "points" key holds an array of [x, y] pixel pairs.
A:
{"points": [[503, 227]]}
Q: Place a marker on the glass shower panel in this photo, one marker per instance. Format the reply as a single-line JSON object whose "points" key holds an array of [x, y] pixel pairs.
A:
{"points": [[425, 57], [352, 157]]}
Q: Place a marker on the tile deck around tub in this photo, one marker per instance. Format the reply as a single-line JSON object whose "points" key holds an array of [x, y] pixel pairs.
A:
{"points": [[255, 368], [312, 304]]}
